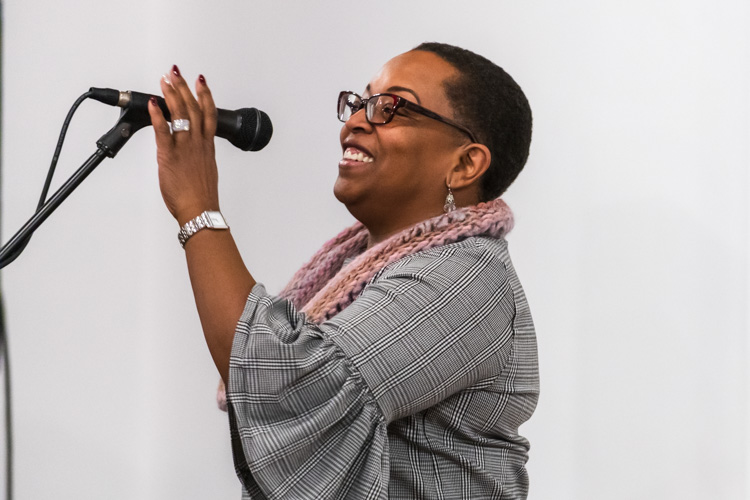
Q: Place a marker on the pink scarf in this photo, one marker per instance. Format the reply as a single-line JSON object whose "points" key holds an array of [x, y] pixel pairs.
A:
{"points": [[322, 288]]}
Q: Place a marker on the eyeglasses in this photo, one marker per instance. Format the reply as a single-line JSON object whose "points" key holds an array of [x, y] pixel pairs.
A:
{"points": [[380, 108]]}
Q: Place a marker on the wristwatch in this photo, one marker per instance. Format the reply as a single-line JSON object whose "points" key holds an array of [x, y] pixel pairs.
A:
{"points": [[209, 219]]}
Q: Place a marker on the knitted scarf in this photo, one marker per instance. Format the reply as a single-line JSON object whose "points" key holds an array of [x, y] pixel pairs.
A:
{"points": [[325, 286]]}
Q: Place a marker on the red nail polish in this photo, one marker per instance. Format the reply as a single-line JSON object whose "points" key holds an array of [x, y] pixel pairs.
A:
{"points": [[153, 101], [175, 70], [202, 79]]}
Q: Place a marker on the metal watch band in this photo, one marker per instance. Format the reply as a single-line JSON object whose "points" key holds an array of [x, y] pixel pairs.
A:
{"points": [[209, 219]]}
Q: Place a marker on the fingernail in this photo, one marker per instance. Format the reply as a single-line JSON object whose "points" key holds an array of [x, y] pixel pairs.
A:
{"points": [[165, 77], [153, 101], [202, 79], [175, 70]]}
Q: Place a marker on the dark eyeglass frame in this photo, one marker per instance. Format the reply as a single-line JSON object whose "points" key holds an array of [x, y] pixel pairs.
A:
{"points": [[398, 102]]}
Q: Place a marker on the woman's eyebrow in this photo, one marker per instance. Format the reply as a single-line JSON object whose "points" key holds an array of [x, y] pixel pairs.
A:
{"points": [[397, 88]]}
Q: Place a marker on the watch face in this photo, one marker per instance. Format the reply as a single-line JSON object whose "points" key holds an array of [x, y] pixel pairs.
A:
{"points": [[217, 220]]}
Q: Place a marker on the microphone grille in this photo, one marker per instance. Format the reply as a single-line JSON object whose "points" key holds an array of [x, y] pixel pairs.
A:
{"points": [[255, 132]]}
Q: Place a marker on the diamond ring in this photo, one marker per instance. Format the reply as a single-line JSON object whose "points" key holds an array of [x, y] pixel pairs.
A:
{"points": [[180, 125]]}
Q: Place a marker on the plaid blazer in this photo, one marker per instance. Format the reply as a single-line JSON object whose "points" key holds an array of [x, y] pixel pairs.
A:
{"points": [[416, 390]]}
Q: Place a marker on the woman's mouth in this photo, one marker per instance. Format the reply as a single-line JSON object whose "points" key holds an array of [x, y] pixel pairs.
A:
{"points": [[356, 155]]}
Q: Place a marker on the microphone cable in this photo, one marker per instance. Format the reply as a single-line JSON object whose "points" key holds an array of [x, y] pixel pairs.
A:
{"points": [[50, 173]]}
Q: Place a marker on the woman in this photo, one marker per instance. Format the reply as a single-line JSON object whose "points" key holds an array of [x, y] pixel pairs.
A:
{"points": [[401, 360]]}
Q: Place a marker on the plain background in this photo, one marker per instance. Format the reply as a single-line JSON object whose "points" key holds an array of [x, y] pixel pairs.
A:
{"points": [[631, 234]]}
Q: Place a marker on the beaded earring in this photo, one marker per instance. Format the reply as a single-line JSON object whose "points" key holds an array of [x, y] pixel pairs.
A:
{"points": [[450, 202]]}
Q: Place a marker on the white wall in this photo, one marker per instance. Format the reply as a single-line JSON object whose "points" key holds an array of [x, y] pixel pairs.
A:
{"points": [[631, 237]]}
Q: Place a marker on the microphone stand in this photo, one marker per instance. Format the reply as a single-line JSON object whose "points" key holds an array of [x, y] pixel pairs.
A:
{"points": [[130, 121]]}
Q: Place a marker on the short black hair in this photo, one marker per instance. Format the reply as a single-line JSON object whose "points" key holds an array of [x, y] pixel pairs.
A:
{"points": [[493, 106]]}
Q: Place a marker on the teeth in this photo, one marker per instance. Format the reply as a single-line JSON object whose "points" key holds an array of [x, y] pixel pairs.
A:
{"points": [[358, 156]]}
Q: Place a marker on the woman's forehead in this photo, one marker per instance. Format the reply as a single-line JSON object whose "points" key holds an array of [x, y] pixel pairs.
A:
{"points": [[417, 72]]}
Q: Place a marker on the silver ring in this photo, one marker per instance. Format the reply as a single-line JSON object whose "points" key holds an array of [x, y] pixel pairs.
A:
{"points": [[180, 125]]}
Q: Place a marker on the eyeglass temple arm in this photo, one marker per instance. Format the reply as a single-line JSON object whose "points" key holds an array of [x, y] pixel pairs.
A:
{"points": [[435, 116]]}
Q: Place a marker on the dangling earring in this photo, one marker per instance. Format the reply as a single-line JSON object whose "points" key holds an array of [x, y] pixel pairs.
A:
{"points": [[450, 202]]}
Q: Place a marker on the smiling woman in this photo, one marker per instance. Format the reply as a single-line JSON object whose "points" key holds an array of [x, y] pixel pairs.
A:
{"points": [[401, 360], [415, 157]]}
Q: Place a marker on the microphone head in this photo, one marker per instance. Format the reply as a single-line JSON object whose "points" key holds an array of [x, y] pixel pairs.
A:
{"points": [[255, 130]]}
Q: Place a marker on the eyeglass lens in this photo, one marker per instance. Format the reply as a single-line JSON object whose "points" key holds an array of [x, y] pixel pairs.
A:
{"points": [[379, 109], [349, 103]]}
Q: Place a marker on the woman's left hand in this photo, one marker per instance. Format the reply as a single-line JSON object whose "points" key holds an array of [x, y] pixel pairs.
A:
{"points": [[188, 177]]}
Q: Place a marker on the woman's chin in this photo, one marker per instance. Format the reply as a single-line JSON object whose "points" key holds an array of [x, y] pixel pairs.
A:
{"points": [[353, 199], [345, 192]]}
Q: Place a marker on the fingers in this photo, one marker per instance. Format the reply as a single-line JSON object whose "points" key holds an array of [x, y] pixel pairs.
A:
{"points": [[206, 103], [161, 127], [182, 104], [175, 100], [189, 103]]}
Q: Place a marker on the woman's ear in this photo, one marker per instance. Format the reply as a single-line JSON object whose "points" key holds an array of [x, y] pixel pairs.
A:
{"points": [[473, 163]]}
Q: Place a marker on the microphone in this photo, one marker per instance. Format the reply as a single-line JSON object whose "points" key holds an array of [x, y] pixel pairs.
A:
{"points": [[249, 129]]}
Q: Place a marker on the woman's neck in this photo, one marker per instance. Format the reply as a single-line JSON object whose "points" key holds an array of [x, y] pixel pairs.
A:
{"points": [[379, 232]]}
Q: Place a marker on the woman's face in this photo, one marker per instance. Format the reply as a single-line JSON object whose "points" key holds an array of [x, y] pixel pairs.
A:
{"points": [[402, 177]]}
